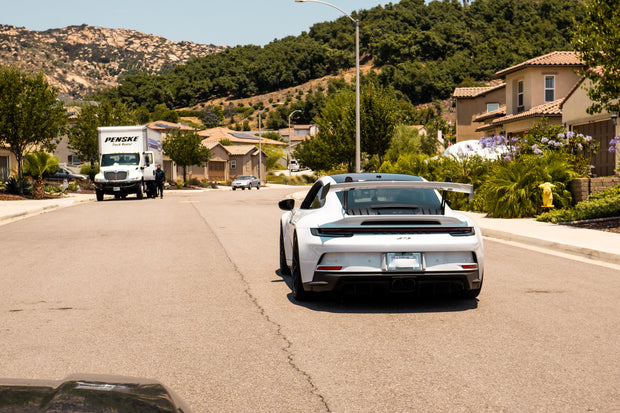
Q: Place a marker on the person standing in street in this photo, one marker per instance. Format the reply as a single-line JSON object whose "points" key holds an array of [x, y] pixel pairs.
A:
{"points": [[160, 178]]}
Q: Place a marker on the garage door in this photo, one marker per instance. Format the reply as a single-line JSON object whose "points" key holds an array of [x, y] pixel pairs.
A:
{"points": [[217, 171], [604, 162]]}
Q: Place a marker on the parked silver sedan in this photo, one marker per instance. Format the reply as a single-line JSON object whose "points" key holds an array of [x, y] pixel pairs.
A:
{"points": [[246, 181]]}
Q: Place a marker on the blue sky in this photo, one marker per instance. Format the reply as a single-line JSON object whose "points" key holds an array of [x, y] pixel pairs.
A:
{"points": [[219, 22]]}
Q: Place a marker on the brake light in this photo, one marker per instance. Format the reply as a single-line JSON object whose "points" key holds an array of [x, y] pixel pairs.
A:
{"points": [[329, 268], [469, 266]]}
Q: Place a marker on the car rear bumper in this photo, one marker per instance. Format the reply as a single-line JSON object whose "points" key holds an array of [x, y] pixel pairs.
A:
{"points": [[395, 281]]}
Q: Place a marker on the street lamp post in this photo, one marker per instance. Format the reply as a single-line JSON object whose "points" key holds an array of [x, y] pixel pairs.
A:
{"points": [[357, 79], [290, 154], [260, 139]]}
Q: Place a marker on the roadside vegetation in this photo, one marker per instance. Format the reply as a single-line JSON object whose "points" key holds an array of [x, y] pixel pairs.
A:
{"points": [[604, 204], [508, 186]]}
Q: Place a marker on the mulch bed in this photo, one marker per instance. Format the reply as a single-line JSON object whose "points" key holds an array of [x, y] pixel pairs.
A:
{"points": [[601, 224]]}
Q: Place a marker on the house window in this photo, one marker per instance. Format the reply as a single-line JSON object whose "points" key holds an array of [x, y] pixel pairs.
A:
{"points": [[233, 164], [74, 160], [4, 168], [520, 94], [492, 106], [549, 88]]}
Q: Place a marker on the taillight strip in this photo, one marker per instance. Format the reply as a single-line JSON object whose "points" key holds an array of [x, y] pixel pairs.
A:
{"points": [[348, 232]]}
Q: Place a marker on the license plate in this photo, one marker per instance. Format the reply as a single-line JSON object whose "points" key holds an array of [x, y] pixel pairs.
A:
{"points": [[117, 188], [403, 261]]}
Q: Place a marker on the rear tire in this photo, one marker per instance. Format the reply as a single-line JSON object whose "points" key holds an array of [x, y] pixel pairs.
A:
{"points": [[284, 269], [473, 293], [299, 294]]}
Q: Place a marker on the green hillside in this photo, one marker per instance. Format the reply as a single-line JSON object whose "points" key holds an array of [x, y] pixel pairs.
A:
{"points": [[422, 50]]}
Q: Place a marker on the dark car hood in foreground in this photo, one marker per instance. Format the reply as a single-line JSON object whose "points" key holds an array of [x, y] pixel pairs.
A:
{"points": [[88, 394]]}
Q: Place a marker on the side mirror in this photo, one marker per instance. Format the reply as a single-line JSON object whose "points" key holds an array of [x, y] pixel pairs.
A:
{"points": [[287, 204]]}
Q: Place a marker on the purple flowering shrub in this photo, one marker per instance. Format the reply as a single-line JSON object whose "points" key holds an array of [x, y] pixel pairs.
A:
{"points": [[544, 138]]}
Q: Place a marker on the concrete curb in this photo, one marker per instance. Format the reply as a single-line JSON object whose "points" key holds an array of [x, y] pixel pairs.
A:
{"points": [[585, 252], [29, 208]]}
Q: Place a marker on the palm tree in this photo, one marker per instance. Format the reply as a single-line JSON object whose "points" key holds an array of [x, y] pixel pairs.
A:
{"points": [[36, 165]]}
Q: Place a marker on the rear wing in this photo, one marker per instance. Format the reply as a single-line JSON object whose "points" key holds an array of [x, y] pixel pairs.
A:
{"points": [[439, 186]]}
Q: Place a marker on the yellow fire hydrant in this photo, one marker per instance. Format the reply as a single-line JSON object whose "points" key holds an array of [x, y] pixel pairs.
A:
{"points": [[547, 195]]}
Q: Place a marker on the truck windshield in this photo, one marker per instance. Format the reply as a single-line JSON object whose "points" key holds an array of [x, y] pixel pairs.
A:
{"points": [[110, 159]]}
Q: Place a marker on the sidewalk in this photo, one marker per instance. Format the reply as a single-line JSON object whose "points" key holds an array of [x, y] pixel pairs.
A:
{"points": [[14, 210], [588, 243]]}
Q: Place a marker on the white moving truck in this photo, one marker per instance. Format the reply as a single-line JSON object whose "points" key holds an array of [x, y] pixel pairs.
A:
{"points": [[128, 158]]}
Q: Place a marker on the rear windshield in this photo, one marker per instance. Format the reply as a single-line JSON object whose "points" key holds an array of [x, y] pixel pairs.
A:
{"points": [[110, 159], [390, 201]]}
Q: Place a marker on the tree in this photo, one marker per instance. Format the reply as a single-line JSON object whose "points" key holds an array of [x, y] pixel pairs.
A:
{"points": [[596, 42], [37, 165], [82, 138], [211, 116], [406, 140], [335, 142], [186, 149], [31, 117], [142, 115], [379, 112]]}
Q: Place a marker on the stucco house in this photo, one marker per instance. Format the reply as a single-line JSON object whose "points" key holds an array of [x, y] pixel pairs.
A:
{"points": [[549, 87], [227, 162], [473, 105], [602, 127], [8, 162], [534, 90]]}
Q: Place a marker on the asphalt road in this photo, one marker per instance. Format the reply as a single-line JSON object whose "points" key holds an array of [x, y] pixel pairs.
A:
{"points": [[186, 290]]}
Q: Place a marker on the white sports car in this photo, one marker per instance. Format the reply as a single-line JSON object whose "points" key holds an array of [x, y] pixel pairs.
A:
{"points": [[380, 230]]}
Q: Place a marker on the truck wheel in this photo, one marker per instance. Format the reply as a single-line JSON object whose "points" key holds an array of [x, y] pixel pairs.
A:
{"points": [[99, 194], [139, 193]]}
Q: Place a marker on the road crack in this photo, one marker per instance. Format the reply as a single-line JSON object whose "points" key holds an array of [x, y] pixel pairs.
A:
{"points": [[288, 344]]}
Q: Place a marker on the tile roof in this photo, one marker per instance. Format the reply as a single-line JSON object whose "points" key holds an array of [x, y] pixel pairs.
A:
{"points": [[472, 92], [558, 58], [162, 125], [549, 110], [240, 149], [218, 134], [493, 114]]}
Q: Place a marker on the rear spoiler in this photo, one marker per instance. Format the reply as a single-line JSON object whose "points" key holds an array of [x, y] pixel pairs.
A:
{"points": [[439, 186]]}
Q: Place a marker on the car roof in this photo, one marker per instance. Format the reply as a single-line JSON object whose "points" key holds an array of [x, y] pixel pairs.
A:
{"points": [[359, 177]]}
